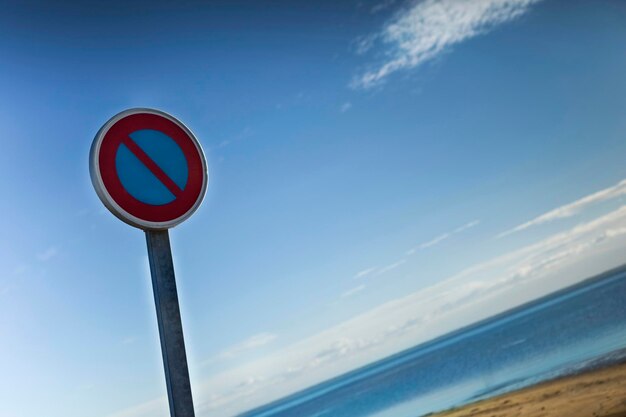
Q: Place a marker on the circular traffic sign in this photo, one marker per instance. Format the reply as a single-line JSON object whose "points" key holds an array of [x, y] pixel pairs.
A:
{"points": [[148, 169]]}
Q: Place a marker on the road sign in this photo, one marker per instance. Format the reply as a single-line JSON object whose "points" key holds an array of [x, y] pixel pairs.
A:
{"points": [[148, 169]]}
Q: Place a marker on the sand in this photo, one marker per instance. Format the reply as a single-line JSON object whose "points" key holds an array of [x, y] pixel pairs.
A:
{"points": [[598, 393]]}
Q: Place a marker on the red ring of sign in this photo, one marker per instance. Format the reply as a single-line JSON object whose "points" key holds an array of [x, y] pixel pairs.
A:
{"points": [[108, 172]]}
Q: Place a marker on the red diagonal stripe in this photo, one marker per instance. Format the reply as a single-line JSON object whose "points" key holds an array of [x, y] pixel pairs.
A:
{"points": [[152, 166]]}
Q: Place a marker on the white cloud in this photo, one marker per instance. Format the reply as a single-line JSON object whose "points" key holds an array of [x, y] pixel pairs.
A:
{"points": [[430, 243], [364, 44], [345, 107], [427, 28], [379, 271], [155, 408], [48, 254], [383, 5], [253, 342], [390, 267], [437, 240], [364, 273], [383, 270], [243, 134], [20, 269], [128, 340], [571, 209], [353, 291], [474, 293], [466, 226]]}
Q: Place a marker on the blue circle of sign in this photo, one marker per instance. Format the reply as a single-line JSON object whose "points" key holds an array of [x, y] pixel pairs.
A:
{"points": [[139, 180]]}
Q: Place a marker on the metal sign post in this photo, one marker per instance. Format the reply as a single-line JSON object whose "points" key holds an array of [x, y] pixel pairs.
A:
{"points": [[170, 325], [149, 171]]}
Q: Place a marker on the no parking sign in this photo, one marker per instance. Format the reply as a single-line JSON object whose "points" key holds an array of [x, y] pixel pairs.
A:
{"points": [[149, 170]]}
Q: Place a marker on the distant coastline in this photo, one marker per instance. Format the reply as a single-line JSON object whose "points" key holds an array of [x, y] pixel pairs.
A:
{"points": [[607, 361], [363, 372], [557, 338], [595, 391]]}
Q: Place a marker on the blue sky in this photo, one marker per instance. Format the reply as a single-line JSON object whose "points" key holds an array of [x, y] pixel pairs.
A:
{"points": [[381, 173]]}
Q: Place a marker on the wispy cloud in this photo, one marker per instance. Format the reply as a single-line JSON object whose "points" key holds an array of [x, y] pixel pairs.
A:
{"points": [[364, 273], [428, 28], [375, 271], [243, 134], [153, 408], [20, 269], [345, 107], [253, 342], [353, 291], [48, 254], [363, 44], [4, 289], [390, 267], [25, 270], [128, 340], [571, 209], [430, 243], [466, 226], [437, 240], [383, 5]]}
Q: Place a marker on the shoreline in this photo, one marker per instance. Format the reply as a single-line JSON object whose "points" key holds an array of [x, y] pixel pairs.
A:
{"points": [[596, 392]]}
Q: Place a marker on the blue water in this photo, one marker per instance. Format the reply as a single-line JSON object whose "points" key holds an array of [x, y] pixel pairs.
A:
{"points": [[581, 327]]}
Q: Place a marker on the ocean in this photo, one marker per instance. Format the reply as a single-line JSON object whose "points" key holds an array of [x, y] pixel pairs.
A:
{"points": [[574, 329]]}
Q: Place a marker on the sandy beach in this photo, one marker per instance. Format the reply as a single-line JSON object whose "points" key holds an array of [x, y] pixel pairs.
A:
{"points": [[597, 393]]}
